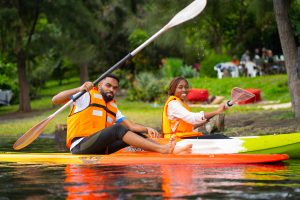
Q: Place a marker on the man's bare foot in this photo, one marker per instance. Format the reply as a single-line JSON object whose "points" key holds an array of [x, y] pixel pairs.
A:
{"points": [[169, 148], [172, 143], [186, 149], [172, 149]]}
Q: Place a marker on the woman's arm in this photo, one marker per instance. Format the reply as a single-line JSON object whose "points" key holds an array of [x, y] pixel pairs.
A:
{"points": [[221, 109], [177, 110]]}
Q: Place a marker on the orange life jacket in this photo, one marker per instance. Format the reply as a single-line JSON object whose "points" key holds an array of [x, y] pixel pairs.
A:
{"points": [[178, 127], [97, 116]]}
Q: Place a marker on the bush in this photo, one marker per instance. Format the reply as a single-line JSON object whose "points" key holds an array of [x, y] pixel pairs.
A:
{"points": [[137, 37], [171, 67], [8, 75], [39, 74], [125, 78], [8, 78], [147, 87], [188, 72], [207, 65]]}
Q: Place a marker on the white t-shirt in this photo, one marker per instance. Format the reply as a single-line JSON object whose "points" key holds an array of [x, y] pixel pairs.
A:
{"points": [[82, 103], [177, 111]]}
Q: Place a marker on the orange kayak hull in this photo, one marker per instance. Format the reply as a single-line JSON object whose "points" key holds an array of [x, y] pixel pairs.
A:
{"points": [[134, 158]]}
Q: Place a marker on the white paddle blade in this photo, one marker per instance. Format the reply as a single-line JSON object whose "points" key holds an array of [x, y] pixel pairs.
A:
{"points": [[184, 15], [31, 134], [187, 13]]}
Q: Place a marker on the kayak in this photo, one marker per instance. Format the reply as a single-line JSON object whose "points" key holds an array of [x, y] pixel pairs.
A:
{"points": [[242, 150], [134, 158], [266, 144]]}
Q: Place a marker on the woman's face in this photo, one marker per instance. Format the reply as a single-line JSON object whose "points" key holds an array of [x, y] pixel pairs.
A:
{"points": [[182, 90]]}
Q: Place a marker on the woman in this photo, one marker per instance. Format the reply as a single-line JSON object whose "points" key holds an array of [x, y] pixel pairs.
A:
{"points": [[177, 117]]}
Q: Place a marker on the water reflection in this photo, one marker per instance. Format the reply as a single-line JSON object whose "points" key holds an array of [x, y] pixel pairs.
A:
{"points": [[45, 143], [112, 182], [38, 181], [23, 181], [31, 181], [169, 181]]}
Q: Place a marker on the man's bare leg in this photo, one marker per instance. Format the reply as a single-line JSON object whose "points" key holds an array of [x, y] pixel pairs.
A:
{"points": [[138, 141]]}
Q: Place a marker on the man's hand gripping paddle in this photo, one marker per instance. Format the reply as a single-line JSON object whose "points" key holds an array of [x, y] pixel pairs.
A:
{"points": [[184, 15]]}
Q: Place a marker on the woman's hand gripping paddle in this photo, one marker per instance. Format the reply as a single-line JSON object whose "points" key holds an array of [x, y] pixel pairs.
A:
{"points": [[184, 15], [238, 95]]}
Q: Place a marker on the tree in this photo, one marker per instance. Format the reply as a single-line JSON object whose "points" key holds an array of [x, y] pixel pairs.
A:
{"points": [[80, 30], [26, 37], [18, 19], [287, 39]]}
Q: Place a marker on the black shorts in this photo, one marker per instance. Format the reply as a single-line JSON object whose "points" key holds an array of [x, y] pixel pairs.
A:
{"points": [[106, 141], [212, 136]]}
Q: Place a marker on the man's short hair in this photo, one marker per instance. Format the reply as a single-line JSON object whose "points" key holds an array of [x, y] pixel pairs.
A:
{"points": [[113, 76]]}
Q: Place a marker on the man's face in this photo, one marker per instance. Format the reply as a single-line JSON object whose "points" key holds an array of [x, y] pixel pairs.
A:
{"points": [[108, 88]]}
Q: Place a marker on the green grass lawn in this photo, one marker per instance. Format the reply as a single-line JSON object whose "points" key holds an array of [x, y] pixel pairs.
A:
{"points": [[272, 88]]}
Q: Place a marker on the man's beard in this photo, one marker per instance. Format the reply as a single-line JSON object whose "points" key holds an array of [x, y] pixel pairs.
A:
{"points": [[107, 98]]}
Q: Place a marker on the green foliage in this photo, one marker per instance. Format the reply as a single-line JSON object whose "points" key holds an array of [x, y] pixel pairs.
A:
{"points": [[8, 78], [207, 65], [99, 33], [171, 67], [195, 43], [147, 87], [39, 72], [51, 88], [141, 60], [137, 37], [125, 78], [7, 74], [295, 18], [188, 71]]}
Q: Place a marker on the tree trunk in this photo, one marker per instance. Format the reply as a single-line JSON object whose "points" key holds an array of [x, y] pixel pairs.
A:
{"points": [[24, 105], [289, 49], [84, 73]]}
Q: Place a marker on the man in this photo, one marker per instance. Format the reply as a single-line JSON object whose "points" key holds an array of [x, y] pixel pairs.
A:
{"points": [[96, 125]]}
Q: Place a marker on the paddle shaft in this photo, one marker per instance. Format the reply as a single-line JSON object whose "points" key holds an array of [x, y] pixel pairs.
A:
{"points": [[186, 14], [122, 61]]}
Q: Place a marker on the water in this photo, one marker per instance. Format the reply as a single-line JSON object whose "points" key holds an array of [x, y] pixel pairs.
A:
{"points": [[41, 181]]}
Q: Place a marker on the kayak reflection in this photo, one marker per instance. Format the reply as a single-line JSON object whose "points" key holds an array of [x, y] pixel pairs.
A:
{"points": [[180, 181], [133, 181]]}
